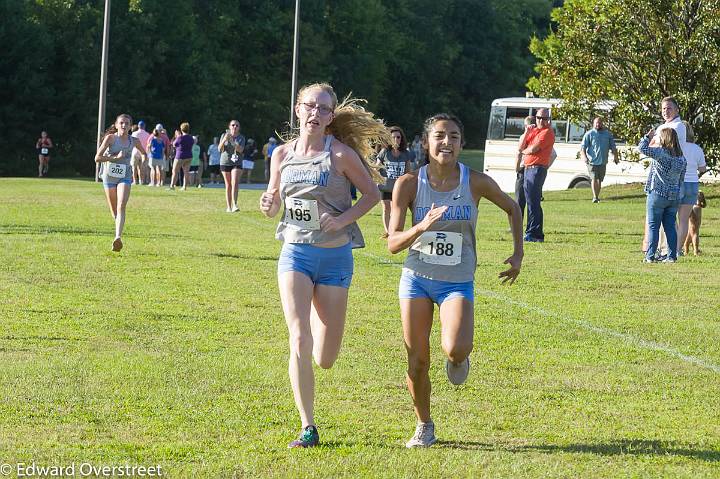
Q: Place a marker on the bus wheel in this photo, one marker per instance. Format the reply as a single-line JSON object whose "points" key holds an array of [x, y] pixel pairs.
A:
{"points": [[580, 183]]}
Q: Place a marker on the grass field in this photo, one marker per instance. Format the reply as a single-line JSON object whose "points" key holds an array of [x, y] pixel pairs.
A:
{"points": [[174, 351]]}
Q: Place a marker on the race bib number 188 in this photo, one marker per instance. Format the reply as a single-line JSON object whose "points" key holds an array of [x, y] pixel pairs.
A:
{"points": [[439, 247], [302, 213]]}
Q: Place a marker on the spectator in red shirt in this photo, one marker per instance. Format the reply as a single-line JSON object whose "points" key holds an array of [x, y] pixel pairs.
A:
{"points": [[537, 152]]}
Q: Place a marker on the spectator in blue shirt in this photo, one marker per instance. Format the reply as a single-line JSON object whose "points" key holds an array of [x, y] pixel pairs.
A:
{"points": [[663, 188], [594, 150]]}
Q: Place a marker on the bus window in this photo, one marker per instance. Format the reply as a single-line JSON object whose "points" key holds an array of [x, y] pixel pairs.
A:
{"points": [[496, 126], [560, 128], [576, 133], [515, 122]]}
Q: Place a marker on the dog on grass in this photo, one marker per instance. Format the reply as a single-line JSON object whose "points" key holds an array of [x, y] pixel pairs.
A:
{"points": [[693, 237]]}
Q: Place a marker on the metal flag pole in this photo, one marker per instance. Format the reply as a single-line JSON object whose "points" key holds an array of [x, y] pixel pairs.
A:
{"points": [[103, 82], [296, 43]]}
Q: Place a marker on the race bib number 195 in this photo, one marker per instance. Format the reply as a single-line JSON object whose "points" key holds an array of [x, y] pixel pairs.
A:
{"points": [[302, 213], [439, 247]]}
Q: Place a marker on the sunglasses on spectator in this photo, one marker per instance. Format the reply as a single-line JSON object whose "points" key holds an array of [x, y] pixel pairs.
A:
{"points": [[542, 117]]}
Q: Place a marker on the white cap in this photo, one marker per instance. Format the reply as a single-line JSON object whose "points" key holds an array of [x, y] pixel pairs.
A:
{"points": [[159, 126]]}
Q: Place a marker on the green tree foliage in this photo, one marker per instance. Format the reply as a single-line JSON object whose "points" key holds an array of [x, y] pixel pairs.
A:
{"points": [[635, 52], [209, 61]]}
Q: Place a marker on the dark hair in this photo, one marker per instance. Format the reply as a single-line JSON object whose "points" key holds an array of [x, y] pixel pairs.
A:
{"points": [[403, 140], [427, 126]]}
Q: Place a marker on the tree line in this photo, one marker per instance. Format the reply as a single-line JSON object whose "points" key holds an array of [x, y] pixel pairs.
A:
{"points": [[634, 53], [209, 61]]}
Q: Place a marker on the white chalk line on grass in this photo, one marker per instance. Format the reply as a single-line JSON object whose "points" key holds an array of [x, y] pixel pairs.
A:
{"points": [[628, 338]]}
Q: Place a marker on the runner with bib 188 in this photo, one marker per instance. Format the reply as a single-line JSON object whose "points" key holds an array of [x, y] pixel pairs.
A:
{"points": [[443, 200], [311, 177]]}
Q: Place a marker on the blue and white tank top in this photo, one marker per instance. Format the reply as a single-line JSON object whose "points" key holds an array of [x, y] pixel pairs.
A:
{"points": [[446, 252], [118, 169], [310, 187]]}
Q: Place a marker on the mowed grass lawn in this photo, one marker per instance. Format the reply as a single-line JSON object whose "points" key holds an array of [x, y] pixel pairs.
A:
{"points": [[174, 352]]}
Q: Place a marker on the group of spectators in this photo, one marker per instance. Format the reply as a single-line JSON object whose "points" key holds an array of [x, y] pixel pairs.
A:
{"points": [[182, 156], [672, 185]]}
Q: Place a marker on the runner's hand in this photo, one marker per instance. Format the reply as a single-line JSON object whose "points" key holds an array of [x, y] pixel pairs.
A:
{"points": [[431, 217], [267, 200], [330, 223], [513, 271]]}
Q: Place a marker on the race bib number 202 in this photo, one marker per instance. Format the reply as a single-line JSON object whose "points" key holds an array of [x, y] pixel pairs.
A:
{"points": [[117, 170], [302, 213], [439, 247]]}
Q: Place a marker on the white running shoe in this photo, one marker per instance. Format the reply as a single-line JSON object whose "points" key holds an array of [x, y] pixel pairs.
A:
{"points": [[424, 435], [228, 210], [235, 208], [457, 373]]}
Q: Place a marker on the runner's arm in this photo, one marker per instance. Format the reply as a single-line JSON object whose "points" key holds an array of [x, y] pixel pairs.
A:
{"points": [[402, 197], [484, 186], [99, 155], [348, 163], [270, 199]]}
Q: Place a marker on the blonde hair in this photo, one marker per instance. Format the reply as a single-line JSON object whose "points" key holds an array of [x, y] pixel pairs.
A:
{"points": [[185, 127], [353, 125], [689, 133], [670, 99], [669, 141]]}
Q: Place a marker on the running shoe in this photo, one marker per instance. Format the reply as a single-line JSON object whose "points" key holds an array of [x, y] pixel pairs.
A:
{"points": [[235, 208], [596, 200], [117, 244], [457, 373], [424, 435], [228, 210], [532, 239], [308, 437]]}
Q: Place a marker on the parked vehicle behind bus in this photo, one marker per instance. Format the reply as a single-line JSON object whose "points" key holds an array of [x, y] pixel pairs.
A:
{"points": [[568, 170]]}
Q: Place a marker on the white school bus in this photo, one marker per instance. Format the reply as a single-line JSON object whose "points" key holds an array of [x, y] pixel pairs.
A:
{"points": [[506, 124]]}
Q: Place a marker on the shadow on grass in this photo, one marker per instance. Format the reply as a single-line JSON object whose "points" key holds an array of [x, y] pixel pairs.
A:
{"points": [[632, 196], [630, 447], [243, 256], [38, 338], [635, 196], [14, 229]]}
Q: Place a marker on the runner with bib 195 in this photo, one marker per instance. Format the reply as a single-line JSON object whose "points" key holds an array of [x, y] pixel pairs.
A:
{"points": [[311, 177]]}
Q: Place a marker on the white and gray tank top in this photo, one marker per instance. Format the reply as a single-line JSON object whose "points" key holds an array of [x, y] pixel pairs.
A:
{"points": [[310, 187], [118, 169], [447, 251]]}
